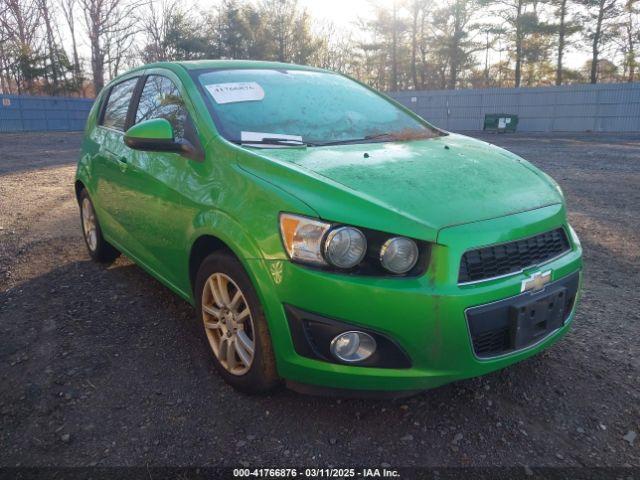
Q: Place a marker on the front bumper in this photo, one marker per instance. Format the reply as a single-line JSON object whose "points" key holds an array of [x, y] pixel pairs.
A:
{"points": [[425, 315]]}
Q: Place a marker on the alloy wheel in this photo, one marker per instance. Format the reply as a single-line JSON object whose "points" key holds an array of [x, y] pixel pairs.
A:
{"points": [[228, 323], [89, 225]]}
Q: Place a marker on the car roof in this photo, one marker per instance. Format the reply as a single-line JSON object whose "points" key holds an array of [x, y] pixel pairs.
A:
{"points": [[195, 65], [228, 64]]}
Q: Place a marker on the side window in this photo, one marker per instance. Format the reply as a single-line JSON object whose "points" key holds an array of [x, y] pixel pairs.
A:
{"points": [[115, 112], [161, 98]]}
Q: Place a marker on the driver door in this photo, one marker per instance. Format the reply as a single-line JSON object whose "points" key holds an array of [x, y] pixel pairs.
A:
{"points": [[156, 216]]}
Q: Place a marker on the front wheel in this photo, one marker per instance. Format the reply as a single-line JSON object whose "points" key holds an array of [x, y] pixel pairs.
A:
{"points": [[235, 325], [99, 249]]}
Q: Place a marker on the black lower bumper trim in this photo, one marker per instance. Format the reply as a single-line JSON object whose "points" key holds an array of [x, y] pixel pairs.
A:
{"points": [[312, 334], [519, 322]]}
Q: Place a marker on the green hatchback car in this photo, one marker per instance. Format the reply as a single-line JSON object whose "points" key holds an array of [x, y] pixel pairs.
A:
{"points": [[327, 236]]}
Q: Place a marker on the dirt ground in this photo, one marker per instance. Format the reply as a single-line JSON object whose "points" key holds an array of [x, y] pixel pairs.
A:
{"points": [[104, 366]]}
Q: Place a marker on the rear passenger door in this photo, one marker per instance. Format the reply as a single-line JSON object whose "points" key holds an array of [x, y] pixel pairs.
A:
{"points": [[110, 163], [158, 218]]}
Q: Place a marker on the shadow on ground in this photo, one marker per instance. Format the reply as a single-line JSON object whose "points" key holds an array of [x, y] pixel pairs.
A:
{"points": [[113, 360]]}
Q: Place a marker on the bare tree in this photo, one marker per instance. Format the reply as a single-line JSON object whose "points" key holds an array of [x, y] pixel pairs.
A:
{"points": [[387, 47], [5, 81], [417, 7], [513, 13], [566, 25], [160, 23], [528, 35], [602, 13], [109, 24], [20, 21], [394, 45], [47, 12], [456, 29], [404, 43], [423, 46], [68, 10], [336, 49], [492, 34], [282, 25], [628, 38]]}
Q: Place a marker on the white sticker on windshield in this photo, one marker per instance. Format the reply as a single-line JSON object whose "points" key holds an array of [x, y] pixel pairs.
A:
{"points": [[236, 92]]}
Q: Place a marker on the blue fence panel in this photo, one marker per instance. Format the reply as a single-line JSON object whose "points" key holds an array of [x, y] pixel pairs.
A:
{"points": [[600, 108], [23, 113]]}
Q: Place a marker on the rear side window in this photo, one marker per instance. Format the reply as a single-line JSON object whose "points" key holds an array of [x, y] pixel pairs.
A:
{"points": [[115, 112], [161, 98]]}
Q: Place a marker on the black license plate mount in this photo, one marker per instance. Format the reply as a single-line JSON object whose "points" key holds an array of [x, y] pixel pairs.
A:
{"points": [[532, 319]]}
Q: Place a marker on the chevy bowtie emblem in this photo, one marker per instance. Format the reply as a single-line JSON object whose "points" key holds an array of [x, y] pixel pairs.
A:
{"points": [[536, 282]]}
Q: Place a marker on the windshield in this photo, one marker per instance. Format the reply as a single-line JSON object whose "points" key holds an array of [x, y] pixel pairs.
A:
{"points": [[289, 107]]}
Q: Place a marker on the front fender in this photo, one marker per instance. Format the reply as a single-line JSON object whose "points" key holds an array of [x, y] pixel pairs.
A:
{"points": [[225, 228], [247, 223]]}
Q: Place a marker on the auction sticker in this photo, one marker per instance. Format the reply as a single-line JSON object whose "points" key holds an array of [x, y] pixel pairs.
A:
{"points": [[236, 92]]}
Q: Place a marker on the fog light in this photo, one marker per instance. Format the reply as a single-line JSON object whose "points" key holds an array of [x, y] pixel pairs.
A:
{"points": [[353, 346]]}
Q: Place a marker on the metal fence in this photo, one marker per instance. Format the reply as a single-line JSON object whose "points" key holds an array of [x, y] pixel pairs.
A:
{"points": [[570, 108], [577, 108], [22, 113]]}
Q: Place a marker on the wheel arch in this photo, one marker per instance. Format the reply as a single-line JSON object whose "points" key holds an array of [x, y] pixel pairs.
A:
{"points": [[214, 231], [202, 247], [79, 186]]}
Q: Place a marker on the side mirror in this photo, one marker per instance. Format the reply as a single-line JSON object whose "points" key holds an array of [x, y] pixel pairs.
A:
{"points": [[156, 135]]}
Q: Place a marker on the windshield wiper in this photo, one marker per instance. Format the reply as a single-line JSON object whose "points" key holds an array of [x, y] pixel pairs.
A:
{"points": [[274, 141], [366, 138], [284, 142]]}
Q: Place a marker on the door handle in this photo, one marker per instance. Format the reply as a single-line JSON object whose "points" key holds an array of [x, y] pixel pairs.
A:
{"points": [[121, 160]]}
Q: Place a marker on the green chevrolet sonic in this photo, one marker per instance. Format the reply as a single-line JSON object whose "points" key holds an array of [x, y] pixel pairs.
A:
{"points": [[327, 236]]}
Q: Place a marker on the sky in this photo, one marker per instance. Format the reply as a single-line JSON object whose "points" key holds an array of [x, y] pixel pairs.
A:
{"points": [[340, 12]]}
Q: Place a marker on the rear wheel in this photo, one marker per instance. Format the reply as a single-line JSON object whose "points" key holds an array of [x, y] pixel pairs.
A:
{"points": [[235, 325], [99, 249]]}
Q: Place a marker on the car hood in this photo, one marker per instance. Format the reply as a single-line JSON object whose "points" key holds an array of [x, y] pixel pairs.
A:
{"points": [[437, 182]]}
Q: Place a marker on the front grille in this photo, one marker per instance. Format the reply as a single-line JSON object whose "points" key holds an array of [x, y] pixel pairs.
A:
{"points": [[505, 258], [492, 342]]}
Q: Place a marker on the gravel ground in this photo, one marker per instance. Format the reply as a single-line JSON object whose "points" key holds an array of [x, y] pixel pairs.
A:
{"points": [[105, 366]]}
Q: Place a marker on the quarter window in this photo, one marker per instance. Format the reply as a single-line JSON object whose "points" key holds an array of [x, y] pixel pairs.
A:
{"points": [[115, 112], [161, 98]]}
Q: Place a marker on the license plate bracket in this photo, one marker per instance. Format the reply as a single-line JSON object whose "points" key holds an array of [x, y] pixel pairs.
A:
{"points": [[532, 319]]}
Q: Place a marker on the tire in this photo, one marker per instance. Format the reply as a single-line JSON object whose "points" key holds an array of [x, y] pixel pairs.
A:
{"points": [[99, 249], [230, 330]]}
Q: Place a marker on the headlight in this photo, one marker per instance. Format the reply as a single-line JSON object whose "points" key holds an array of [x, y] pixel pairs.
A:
{"points": [[306, 240], [345, 247], [302, 238], [399, 254]]}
